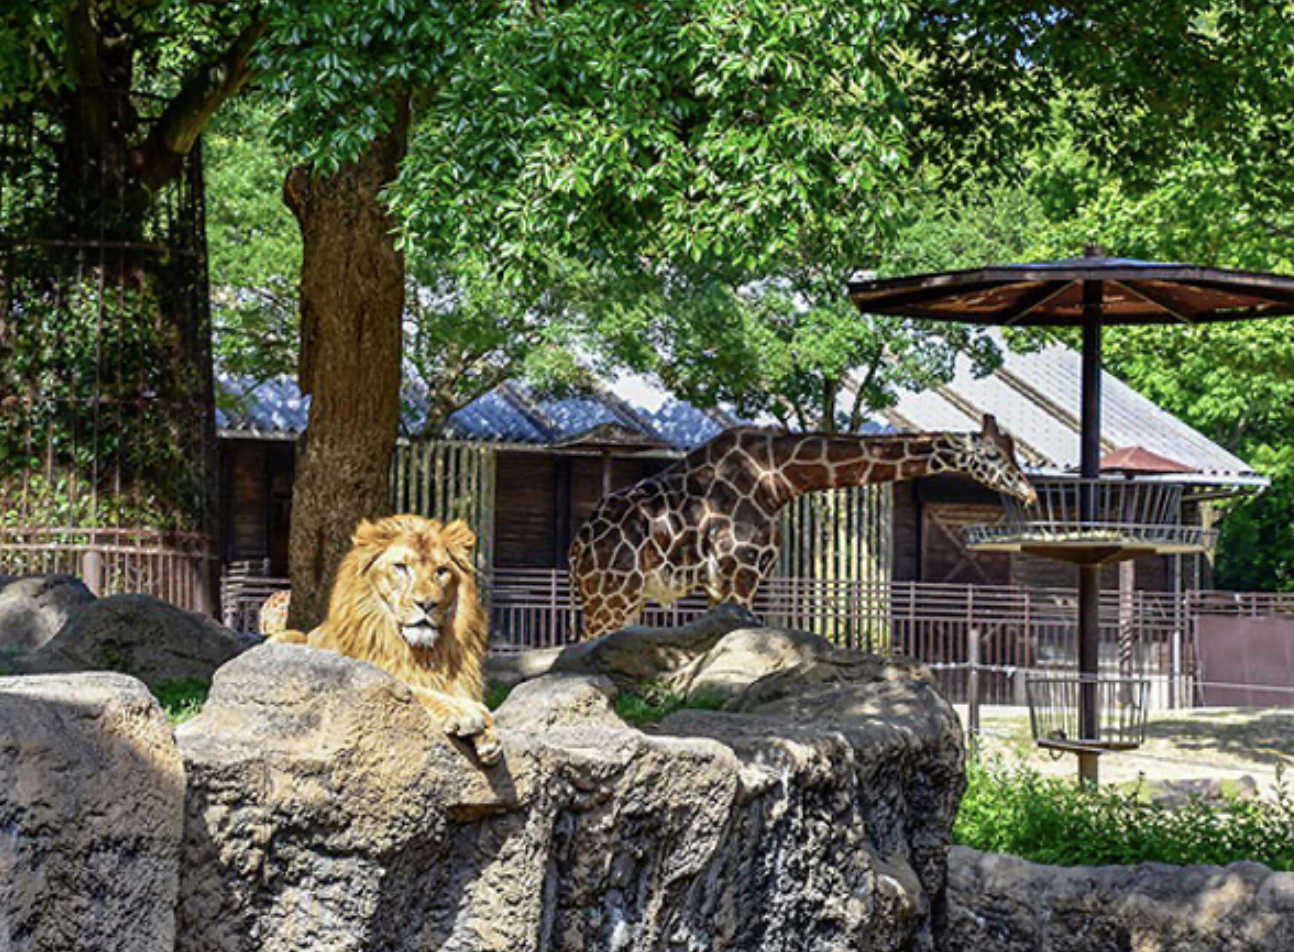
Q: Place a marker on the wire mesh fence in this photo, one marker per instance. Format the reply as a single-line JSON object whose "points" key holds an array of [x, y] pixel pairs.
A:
{"points": [[106, 394]]}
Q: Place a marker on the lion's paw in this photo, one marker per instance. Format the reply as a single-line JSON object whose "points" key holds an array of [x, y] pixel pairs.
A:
{"points": [[488, 747], [466, 719]]}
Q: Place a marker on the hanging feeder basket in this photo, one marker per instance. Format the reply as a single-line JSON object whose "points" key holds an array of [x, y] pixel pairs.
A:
{"points": [[1120, 713], [1093, 521]]}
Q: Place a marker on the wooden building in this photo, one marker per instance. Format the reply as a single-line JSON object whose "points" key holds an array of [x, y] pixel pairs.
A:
{"points": [[527, 470]]}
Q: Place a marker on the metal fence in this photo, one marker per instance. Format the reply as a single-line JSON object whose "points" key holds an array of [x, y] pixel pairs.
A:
{"points": [[175, 566], [981, 640], [1006, 634]]}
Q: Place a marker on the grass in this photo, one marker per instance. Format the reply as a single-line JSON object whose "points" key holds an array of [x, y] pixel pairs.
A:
{"points": [[1014, 809], [651, 702], [9, 661], [496, 694], [181, 700]]}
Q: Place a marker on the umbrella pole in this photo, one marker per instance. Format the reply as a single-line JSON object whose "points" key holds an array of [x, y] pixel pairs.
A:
{"points": [[1089, 576]]}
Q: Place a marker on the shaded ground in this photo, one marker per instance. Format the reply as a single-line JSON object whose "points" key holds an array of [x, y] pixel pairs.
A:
{"points": [[1218, 743]]}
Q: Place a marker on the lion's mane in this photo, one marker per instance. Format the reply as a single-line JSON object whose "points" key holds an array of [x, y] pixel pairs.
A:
{"points": [[361, 626]]}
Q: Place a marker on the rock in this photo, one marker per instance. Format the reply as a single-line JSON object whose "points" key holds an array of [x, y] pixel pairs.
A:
{"points": [[326, 811], [639, 653], [841, 666], [139, 635], [560, 700], [33, 609], [510, 668], [742, 657], [1004, 904], [91, 816]]}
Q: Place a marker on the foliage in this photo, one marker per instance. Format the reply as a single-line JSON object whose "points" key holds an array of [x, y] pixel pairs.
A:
{"points": [[254, 246], [496, 694], [650, 702], [1014, 809], [181, 700]]}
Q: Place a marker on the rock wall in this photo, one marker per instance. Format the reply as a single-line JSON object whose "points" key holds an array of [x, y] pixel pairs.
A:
{"points": [[324, 814], [1004, 904], [314, 805], [91, 815]]}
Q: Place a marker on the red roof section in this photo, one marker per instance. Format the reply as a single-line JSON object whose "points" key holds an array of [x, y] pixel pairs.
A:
{"points": [[1138, 459]]}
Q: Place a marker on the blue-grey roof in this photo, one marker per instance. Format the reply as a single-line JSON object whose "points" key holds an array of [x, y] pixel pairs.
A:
{"points": [[1035, 397]]}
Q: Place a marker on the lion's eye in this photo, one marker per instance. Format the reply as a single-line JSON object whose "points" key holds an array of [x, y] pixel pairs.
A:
{"points": [[443, 574], [401, 567]]}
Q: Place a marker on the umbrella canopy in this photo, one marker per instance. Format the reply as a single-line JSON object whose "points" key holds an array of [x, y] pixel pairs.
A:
{"points": [[1051, 293], [1088, 292]]}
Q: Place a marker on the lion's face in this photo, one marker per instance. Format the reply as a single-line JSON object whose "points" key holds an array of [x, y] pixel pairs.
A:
{"points": [[416, 568]]}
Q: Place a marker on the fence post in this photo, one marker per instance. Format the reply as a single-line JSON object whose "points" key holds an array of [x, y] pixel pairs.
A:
{"points": [[92, 570], [972, 685]]}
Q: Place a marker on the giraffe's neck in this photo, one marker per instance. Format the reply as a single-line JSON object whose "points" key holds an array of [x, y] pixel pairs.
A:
{"points": [[813, 462]]}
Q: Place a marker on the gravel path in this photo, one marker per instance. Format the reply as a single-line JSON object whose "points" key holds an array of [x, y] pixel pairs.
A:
{"points": [[1225, 744]]}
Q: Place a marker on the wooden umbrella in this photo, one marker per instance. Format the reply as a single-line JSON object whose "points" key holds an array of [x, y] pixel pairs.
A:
{"points": [[1087, 292]]}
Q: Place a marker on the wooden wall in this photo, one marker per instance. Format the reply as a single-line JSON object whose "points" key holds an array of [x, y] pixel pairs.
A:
{"points": [[929, 516], [256, 501], [542, 499]]}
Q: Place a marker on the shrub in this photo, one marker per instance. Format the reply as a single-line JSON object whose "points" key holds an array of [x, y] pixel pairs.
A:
{"points": [[181, 700], [1016, 810], [652, 701]]}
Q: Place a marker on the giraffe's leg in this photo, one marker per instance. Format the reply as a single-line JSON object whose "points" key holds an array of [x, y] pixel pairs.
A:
{"points": [[739, 577], [465, 718], [611, 601]]}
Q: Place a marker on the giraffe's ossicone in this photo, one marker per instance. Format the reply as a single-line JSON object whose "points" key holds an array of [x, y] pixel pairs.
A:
{"points": [[709, 521]]}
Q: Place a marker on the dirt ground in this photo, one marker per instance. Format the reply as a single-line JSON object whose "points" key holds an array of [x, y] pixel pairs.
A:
{"points": [[1218, 743]]}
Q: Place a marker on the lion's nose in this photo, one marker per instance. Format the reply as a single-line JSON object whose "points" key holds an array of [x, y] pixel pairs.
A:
{"points": [[428, 605]]}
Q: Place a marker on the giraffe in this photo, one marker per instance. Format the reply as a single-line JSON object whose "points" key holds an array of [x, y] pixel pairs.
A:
{"points": [[709, 521]]}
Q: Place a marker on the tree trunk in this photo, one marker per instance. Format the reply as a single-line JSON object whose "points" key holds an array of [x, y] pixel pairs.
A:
{"points": [[352, 300]]}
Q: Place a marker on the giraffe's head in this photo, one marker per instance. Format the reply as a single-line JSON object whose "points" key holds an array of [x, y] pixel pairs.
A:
{"points": [[987, 457]]}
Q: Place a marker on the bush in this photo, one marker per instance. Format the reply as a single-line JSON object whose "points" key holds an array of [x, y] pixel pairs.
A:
{"points": [[181, 700], [1016, 810], [650, 702]]}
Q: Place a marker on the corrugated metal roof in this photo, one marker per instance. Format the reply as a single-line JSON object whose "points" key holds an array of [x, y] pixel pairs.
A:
{"points": [[1035, 397]]}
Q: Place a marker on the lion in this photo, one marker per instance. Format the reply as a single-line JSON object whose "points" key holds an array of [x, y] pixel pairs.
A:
{"points": [[405, 600]]}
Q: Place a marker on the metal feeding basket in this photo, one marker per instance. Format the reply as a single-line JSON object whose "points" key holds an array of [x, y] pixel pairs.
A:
{"points": [[1120, 713], [1093, 521]]}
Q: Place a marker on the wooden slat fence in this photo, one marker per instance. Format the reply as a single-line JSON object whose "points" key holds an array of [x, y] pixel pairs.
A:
{"points": [[174, 566], [446, 480], [1020, 632]]}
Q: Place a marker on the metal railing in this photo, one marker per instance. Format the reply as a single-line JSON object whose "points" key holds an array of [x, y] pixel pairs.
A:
{"points": [[986, 640], [175, 566], [1141, 513]]}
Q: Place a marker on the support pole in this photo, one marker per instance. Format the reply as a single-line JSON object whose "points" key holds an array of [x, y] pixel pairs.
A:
{"points": [[1089, 576]]}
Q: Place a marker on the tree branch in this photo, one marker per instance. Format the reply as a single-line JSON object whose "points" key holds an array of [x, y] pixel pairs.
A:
{"points": [[83, 63], [204, 91]]}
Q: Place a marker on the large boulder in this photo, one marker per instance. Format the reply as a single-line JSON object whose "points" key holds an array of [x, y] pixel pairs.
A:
{"points": [[91, 816], [560, 700], [640, 653], [1004, 904], [325, 810], [34, 608], [742, 657], [139, 635]]}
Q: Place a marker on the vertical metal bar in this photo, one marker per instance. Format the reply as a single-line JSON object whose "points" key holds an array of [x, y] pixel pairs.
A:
{"points": [[1089, 576]]}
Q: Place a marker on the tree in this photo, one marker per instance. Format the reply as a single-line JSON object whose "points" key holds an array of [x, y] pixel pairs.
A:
{"points": [[1232, 382], [102, 102]]}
